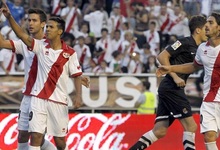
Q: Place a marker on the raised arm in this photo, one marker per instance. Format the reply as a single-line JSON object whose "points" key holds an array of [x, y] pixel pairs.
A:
{"points": [[15, 27], [5, 43]]}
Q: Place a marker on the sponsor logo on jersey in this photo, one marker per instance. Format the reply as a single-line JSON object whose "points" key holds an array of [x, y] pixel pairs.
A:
{"points": [[176, 45], [66, 55]]}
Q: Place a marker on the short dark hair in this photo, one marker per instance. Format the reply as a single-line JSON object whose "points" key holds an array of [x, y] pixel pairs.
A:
{"points": [[60, 21], [147, 85], [197, 21], [40, 12], [104, 29], [216, 16]]}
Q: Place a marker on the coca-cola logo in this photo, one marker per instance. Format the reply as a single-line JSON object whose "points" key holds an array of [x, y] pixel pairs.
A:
{"points": [[86, 131]]}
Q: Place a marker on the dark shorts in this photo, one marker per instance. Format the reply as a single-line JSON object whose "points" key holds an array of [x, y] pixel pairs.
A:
{"points": [[173, 103]]}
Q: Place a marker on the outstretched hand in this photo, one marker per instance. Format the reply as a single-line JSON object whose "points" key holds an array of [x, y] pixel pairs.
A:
{"points": [[5, 10], [162, 70], [85, 80]]}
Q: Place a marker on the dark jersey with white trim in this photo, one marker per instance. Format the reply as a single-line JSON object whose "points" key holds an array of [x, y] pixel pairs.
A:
{"points": [[182, 51]]}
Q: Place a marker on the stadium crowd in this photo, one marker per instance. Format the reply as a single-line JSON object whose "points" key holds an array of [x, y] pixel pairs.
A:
{"points": [[122, 36]]}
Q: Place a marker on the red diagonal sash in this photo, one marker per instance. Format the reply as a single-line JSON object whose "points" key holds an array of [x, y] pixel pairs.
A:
{"points": [[11, 62], [101, 57], [71, 21], [163, 26], [151, 37], [56, 9], [83, 56]]}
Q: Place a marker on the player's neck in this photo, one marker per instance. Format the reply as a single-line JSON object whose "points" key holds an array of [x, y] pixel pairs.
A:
{"points": [[39, 35], [197, 39], [56, 44], [214, 41]]}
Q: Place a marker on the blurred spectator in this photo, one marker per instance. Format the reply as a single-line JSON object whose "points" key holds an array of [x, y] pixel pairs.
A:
{"points": [[142, 21], [164, 21], [69, 39], [125, 28], [89, 7], [191, 7], [117, 41], [17, 11], [95, 20], [116, 18], [84, 30], [72, 15], [153, 8], [8, 61], [115, 63], [179, 22], [104, 47], [147, 102], [91, 42], [146, 52], [129, 46], [152, 38], [151, 65], [56, 6], [83, 54], [135, 65], [103, 69]]}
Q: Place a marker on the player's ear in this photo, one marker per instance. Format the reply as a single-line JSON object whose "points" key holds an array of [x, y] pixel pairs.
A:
{"points": [[60, 31], [43, 24], [198, 30]]}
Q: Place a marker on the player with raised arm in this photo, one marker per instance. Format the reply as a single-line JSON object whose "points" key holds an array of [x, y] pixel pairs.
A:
{"points": [[12, 44]]}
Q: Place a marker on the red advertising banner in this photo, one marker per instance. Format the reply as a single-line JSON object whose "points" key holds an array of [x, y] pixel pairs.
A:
{"points": [[104, 132]]}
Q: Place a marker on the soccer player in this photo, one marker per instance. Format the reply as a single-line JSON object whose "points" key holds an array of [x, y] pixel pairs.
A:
{"points": [[207, 56], [37, 20], [173, 103]]}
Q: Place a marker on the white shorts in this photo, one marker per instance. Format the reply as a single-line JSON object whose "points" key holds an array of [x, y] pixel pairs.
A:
{"points": [[210, 117], [23, 118], [47, 116]]}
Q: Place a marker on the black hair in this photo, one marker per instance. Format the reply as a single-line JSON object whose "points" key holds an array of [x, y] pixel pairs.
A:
{"points": [[216, 16], [40, 12], [61, 23], [197, 21], [104, 29], [147, 85]]}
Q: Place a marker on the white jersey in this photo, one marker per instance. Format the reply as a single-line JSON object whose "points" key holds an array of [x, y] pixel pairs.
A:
{"points": [[209, 57], [72, 16], [9, 60], [54, 69], [56, 9], [84, 55], [29, 76], [153, 40], [95, 20]]}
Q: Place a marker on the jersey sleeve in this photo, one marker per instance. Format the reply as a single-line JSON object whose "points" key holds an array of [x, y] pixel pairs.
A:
{"points": [[74, 66], [197, 59], [36, 46], [177, 47], [17, 46]]}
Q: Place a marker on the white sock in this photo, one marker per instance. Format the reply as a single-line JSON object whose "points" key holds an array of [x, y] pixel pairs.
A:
{"points": [[34, 147], [211, 146], [150, 136], [189, 140], [48, 146], [23, 146]]}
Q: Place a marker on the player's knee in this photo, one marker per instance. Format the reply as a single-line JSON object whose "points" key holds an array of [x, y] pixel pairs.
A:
{"points": [[23, 136], [160, 132], [192, 128], [36, 139], [210, 136], [60, 143]]}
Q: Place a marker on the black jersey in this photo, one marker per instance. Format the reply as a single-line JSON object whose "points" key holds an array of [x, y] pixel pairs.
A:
{"points": [[182, 51]]}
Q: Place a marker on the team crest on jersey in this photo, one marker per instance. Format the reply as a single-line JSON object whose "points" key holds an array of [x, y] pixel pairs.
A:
{"points": [[176, 45], [66, 55]]}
